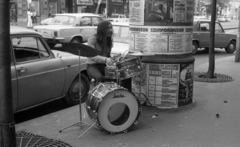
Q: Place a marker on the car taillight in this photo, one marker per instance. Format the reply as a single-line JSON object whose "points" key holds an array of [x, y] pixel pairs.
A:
{"points": [[55, 33]]}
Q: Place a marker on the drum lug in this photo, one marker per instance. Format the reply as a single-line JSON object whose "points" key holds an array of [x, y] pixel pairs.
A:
{"points": [[136, 122], [86, 106], [139, 67], [125, 131], [140, 109]]}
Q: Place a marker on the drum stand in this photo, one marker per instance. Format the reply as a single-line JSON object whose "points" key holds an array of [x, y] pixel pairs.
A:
{"points": [[146, 100], [81, 122]]}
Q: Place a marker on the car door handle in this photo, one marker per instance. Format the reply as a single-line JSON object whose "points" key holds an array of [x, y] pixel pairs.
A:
{"points": [[21, 70]]}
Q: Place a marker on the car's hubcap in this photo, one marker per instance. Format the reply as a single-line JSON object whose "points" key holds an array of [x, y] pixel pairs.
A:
{"points": [[231, 47]]}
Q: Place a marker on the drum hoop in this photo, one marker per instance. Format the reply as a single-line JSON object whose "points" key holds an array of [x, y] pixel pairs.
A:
{"points": [[137, 117]]}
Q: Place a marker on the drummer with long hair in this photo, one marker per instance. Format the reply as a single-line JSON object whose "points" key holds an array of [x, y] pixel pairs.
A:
{"points": [[103, 42]]}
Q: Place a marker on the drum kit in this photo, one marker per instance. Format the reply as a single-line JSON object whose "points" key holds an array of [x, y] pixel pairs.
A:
{"points": [[112, 107]]}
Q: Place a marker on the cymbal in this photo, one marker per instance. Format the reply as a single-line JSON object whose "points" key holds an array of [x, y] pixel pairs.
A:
{"points": [[85, 50]]}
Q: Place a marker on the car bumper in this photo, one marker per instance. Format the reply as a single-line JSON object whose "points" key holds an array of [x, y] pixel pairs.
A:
{"points": [[54, 40]]}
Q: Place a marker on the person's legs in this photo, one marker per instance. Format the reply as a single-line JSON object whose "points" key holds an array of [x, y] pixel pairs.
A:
{"points": [[35, 19], [96, 71]]}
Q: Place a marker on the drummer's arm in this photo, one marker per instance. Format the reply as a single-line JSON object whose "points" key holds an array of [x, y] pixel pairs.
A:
{"points": [[98, 59]]}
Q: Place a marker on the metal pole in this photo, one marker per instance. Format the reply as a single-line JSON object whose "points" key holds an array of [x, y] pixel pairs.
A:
{"points": [[237, 54], [106, 9], [7, 124]]}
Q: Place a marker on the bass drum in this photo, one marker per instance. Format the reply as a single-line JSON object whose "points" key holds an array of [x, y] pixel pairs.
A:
{"points": [[113, 107]]}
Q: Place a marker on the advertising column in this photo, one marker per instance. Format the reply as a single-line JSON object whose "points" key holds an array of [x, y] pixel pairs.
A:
{"points": [[162, 31]]}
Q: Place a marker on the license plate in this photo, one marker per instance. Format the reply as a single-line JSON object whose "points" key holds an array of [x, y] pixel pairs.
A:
{"points": [[46, 33]]}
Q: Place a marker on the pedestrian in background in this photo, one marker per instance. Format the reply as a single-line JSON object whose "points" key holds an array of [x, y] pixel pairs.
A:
{"points": [[34, 16], [29, 19]]}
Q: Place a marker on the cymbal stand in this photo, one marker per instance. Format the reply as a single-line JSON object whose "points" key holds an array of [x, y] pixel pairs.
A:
{"points": [[81, 122], [147, 100]]}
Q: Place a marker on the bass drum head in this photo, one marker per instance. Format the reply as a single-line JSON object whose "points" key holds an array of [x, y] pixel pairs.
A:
{"points": [[118, 111]]}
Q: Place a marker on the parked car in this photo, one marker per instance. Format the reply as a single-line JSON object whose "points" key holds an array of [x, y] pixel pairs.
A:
{"points": [[200, 17], [118, 18], [69, 27], [201, 37], [228, 19], [222, 19], [121, 38], [40, 75], [47, 20]]}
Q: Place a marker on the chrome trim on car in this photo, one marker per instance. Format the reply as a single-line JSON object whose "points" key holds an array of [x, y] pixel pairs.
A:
{"points": [[21, 77]]}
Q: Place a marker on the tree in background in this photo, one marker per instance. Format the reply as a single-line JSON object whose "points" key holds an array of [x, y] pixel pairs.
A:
{"points": [[221, 4]]}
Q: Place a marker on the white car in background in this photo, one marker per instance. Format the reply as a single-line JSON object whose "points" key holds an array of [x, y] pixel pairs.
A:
{"points": [[47, 20], [118, 18], [69, 27], [121, 38]]}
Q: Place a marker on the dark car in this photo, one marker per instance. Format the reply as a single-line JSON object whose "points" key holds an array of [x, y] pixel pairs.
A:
{"points": [[201, 36], [40, 75]]}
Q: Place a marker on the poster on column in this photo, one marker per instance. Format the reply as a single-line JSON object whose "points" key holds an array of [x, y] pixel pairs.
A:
{"points": [[163, 85], [186, 84], [161, 26]]}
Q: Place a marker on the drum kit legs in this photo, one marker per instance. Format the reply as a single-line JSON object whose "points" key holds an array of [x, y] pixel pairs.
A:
{"points": [[81, 122]]}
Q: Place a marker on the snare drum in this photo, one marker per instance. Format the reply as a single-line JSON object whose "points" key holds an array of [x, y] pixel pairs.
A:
{"points": [[114, 108], [126, 68]]}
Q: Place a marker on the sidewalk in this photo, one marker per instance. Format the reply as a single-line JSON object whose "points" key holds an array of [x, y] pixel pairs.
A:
{"points": [[24, 24], [196, 126]]}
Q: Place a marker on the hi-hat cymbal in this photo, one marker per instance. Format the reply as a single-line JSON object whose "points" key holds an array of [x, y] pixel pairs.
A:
{"points": [[85, 50]]}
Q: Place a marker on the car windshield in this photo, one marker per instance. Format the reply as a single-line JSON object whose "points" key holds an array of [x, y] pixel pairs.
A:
{"points": [[63, 20], [121, 34]]}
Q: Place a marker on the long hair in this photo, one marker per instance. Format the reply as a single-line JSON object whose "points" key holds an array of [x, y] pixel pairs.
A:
{"points": [[101, 36]]}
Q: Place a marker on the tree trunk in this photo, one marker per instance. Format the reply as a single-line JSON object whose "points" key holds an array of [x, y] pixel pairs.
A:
{"points": [[124, 3], [211, 68], [7, 125], [110, 8]]}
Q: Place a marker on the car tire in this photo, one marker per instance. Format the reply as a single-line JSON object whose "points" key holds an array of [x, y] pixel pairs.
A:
{"points": [[72, 97], [231, 47], [51, 45], [76, 40], [194, 47]]}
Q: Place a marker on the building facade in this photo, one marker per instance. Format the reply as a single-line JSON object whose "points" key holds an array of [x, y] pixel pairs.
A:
{"points": [[44, 8]]}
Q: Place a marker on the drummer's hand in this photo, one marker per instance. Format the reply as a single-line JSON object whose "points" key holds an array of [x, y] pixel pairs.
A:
{"points": [[109, 62]]}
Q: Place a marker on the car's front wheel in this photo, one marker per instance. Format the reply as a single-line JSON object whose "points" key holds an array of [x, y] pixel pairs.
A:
{"points": [[194, 47], [72, 97], [231, 47]]}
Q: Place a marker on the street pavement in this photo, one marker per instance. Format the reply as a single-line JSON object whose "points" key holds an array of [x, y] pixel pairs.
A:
{"points": [[213, 119]]}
